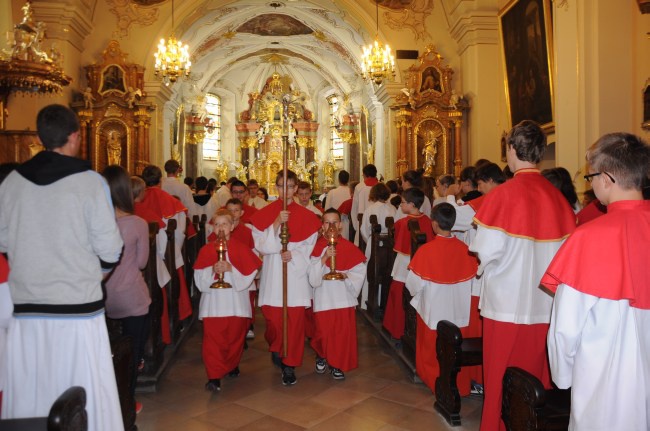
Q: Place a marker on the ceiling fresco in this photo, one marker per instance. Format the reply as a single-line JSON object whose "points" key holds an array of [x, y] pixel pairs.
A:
{"points": [[274, 24]]}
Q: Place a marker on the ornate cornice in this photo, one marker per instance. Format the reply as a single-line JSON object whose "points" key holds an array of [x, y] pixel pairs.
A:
{"points": [[68, 21], [479, 27]]}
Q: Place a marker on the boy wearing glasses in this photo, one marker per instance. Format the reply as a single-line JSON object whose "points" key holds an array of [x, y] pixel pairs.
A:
{"points": [[520, 226], [599, 342], [240, 191], [394, 317]]}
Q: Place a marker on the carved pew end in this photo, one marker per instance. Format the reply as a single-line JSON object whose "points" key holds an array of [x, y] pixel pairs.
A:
{"points": [[67, 413], [453, 352], [527, 406]]}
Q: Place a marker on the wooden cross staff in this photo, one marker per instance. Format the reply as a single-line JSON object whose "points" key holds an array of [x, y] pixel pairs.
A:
{"points": [[284, 231]]}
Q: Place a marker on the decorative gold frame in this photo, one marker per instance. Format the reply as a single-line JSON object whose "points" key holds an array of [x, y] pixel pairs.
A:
{"points": [[443, 145], [103, 74], [529, 92]]}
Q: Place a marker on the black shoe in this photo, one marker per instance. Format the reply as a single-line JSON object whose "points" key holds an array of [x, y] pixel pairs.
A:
{"points": [[275, 358], [288, 376], [213, 385], [321, 365], [234, 372], [337, 374]]}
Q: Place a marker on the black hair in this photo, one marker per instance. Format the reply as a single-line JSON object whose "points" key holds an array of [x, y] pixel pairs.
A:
{"points": [[414, 196], [445, 215], [151, 175], [369, 171], [201, 183], [54, 125], [490, 171], [344, 177]]}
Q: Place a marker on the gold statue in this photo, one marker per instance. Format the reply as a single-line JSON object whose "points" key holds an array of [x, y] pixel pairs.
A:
{"points": [[114, 148], [429, 151], [222, 247]]}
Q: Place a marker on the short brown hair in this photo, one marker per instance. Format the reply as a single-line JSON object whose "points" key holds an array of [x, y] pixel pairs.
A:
{"points": [[291, 176], [528, 140], [172, 166], [379, 192], [623, 155], [304, 185]]}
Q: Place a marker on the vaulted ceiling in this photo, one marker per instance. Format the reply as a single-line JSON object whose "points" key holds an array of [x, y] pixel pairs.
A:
{"points": [[238, 45]]}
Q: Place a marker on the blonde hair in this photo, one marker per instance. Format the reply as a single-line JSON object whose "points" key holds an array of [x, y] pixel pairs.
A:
{"points": [[138, 186]]}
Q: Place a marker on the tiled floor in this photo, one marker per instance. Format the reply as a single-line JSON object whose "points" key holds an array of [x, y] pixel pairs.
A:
{"points": [[376, 396]]}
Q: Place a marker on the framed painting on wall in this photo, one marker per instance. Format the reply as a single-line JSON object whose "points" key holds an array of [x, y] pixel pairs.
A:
{"points": [[526, 38]]}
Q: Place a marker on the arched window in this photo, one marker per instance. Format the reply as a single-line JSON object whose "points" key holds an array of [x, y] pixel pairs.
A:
{"points": [[212, 141], [335, 140]]}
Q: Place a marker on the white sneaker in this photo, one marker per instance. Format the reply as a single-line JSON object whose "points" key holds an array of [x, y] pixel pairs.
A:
{"points": [[250, 334], [321, 365]]}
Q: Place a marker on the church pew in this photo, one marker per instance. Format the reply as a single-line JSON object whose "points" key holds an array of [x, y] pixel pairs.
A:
{"points": [[527, 406], [379, 268], [68, 413], [190, 251], [408, 339], [362, 243], [154, 348], [173, 287], [453, 352], [388, 270], [122, 349]]}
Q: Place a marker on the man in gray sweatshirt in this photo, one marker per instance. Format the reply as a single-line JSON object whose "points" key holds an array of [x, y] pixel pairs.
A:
{"points": [[57, 226]]}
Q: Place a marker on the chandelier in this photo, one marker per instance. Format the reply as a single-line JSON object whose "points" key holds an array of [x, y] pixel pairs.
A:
{"points": [[172, 58], [377, 62]]}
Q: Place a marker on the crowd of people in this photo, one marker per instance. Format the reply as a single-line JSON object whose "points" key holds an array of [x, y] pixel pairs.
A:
{"points": [[558, 290]]}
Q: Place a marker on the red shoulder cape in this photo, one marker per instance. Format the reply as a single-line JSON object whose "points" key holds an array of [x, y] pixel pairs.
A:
{"points": [[345, 207], [302, 223], [403, 235], [444, 261], [161, 203], [370, 181], [148, 215], [240, 256], [4, 269], [348, 255], [248, 213], [241, 233], [527, 206], [476, 203], [608, 257], [594, 210]]}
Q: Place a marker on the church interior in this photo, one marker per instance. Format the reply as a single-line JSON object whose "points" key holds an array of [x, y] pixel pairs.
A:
{"points": [[261, 80], [464, 73]]}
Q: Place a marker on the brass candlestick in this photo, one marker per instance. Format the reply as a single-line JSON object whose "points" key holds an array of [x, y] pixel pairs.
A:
{"points": [[221, 246], [332, 235]]}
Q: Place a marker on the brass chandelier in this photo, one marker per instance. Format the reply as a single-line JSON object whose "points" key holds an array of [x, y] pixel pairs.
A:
{"points": [[377, 62], [172, 58]]}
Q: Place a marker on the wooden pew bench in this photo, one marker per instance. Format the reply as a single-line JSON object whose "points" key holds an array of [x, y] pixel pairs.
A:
{"points": [[453, 352], [68, 413], [410, 325], [527, 406], [380, 266]]}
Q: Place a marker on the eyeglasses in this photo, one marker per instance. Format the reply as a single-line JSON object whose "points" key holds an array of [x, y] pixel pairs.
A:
{"points": [[590, 176]]}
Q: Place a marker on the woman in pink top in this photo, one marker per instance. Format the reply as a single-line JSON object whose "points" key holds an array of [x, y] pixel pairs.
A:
{"points": [[127, 295]]}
